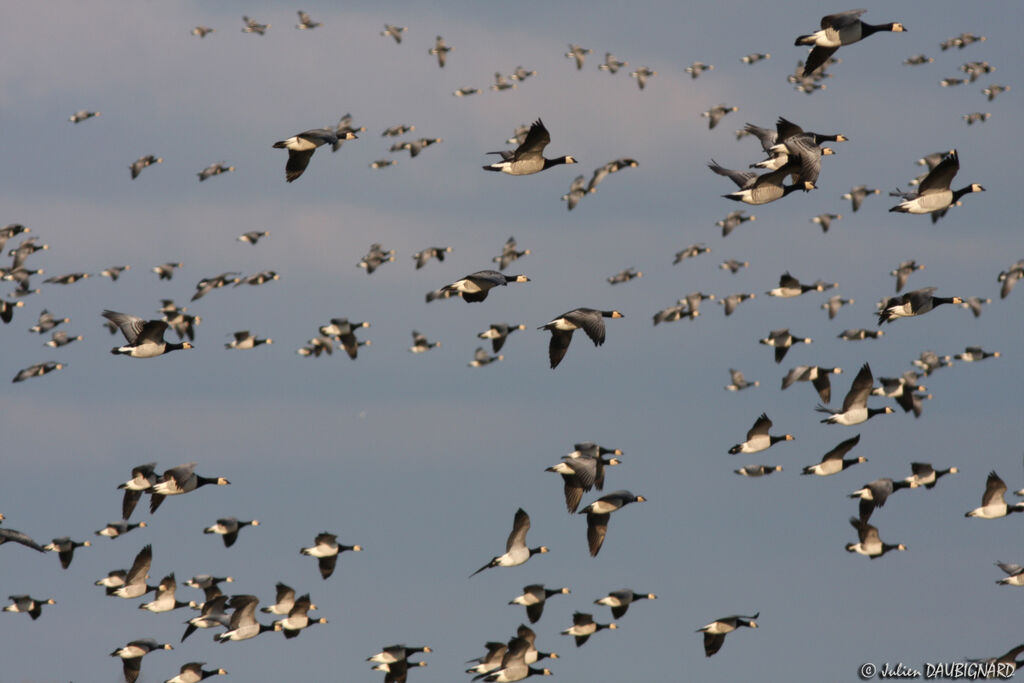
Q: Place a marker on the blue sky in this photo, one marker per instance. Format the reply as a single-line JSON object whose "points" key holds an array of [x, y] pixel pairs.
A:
{"points": [[424, 461]]}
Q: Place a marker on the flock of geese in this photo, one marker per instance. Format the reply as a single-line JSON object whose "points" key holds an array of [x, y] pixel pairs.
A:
{"points": [[792, 165]]}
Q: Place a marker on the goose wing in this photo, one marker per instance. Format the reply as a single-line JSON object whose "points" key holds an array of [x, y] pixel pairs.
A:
{"points": [[858, 394], [519, 528], [536, 140]]}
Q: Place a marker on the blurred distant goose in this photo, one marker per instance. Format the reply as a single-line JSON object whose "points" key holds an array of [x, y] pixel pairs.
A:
{"points": [[733, 300], [757, 470], [114, 272], [917, 60], [1014, 572], [894, 387], [697, 68], [414, 147], [854, 335], [502, 83], [934, 194], [297, 618], [789, 286], [393, 31], [528, 158], [305, 23], [577, 191], [976, 117], [509, 253], [465, 92], [591, 321], [904, 271], [68, 279], [165, 600], [516, 551], [624, 276], [857, 195], [961, 41], [825, 220], [482, 358], [855, 405], [38, 370], [60, 338], [421, 344], [179, 480], [115, 529], [383, 163], [833, 461], [245, 340], [739, 382], [717, 113], [85, 115], [925, 475], [755, 57], [284, 601], [611, 63], [691, 251], [843, 28], [253, 26], [620, 600], [993, 501], [917, 302], [758, 438], [584, 626], [534, 597], [475, 286], [396, 653], [326, 551], [301, 147], [228, 527], [1009, 278], [143, 162], [818, 376], [202, 31], [974, 304], [758, 189], [733, 266], [212, 615], [243, 624], [715, 632], [253, 236], [870, 544], [342, 128], [733, 221], [781, 341], [975, 353], [599, 512], [193, 672], [521, 74], [213, 170], [874, 494], [145, 338], [422, 257], [131, 656], [440, 50], [578, 54], [209, 585], [641, 75], [929, 362], [994, 90], [166, 271], [134, 585], [30, 606], [65, 549], [498, 333], [7, 309], [833, 305], [47, 322]]}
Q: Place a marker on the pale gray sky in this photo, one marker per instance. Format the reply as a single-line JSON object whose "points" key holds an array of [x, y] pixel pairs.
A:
{"points": [[423, 460]]}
